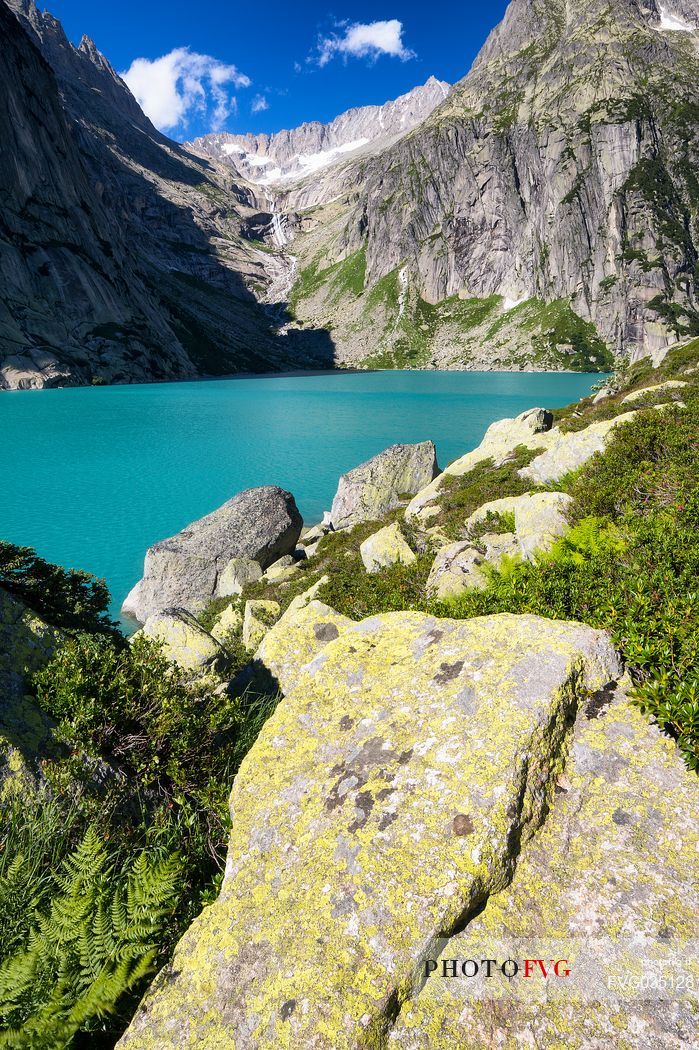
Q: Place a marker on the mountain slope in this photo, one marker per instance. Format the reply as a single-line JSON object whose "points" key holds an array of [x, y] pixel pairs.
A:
{"points": [[124, 256], [553, 191]]}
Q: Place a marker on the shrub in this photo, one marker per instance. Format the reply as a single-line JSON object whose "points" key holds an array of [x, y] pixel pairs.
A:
{"points": [[131, 705], [630, 564], [63, 597]]}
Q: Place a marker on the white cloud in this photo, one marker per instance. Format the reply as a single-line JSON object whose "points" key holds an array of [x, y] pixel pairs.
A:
{"points": [[259, 104], [169, 89], [366, 40]]}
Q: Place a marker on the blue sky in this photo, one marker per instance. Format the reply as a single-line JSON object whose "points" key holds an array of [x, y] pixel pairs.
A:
{"points": [[260, 67]]}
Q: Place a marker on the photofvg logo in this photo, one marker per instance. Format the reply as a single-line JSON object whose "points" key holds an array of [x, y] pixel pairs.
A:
{"points": [[510, 968], [584, 969]]}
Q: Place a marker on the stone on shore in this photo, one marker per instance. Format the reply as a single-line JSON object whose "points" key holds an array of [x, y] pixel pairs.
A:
{"points": [[259, 524], [237, 573], [382, 483], [386, 798], [184, 640], [386, 547], [259, 616]]}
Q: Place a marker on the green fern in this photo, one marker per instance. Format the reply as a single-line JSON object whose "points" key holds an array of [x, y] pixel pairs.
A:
{"points": [[90, 945]]}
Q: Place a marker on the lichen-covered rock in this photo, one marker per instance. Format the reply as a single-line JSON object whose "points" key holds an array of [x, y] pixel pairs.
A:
{"points": [[566, 452], [303, 631], [498, 545], [501, 439], [540, 519], [659, 388], [26, 733], [258, 617], [183, 572], [377, 486], [237, 573], [386, 797], [283, 569], [455, 569], [506, 505], [229, 623], [184, 640], [386, 547], [608, 885]]}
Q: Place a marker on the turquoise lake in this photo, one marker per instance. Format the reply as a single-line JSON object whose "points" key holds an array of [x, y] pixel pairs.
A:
{"points": [[93, 476]]}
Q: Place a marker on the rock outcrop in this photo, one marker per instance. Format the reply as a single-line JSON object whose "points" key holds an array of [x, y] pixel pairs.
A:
{"points": [[607, 886], [545, 211], [185, 641], [122, 254], [291, 155], [382, 483], [389, 795], [386, 547], [259, 524]]}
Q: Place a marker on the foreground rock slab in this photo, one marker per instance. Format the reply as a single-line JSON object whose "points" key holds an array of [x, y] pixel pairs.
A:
{"points": [[609, 885], [378, 486], [383, 801], [259, 525]]}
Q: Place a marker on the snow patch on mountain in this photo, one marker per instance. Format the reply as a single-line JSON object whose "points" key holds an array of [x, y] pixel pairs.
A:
{"points": [[289, 156], [673, 23]]}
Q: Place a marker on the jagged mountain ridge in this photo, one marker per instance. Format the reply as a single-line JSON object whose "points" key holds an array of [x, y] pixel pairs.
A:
{"points": [[125, 256], [542, 214], [561, 171], [297, 153]]}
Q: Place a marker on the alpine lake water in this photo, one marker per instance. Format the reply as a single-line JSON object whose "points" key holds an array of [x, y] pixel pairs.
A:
{"points": [[93, 476]]}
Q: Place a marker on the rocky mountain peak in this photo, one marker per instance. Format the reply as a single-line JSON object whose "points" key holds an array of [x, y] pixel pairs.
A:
{"points": [[291, 155]]}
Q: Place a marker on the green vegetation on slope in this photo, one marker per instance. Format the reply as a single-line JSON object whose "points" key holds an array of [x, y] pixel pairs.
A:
{"points": [[104, 866]]}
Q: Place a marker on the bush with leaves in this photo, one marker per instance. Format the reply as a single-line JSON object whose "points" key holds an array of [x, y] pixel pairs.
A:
{"points": [[64, 598], [630, 564]]}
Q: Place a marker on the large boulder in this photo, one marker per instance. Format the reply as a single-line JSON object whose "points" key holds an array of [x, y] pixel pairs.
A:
{"points": [[377, 486], [566, 452], [184, 640], [608, 886], [386, 547], [259, 524], [388, 795]]}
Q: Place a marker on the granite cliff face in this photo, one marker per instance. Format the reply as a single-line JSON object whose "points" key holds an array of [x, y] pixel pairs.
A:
{"points": [[542, 213], [122, 254], [560, 171]]}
